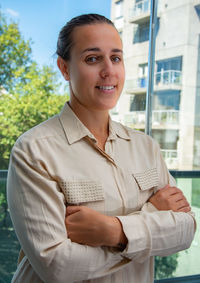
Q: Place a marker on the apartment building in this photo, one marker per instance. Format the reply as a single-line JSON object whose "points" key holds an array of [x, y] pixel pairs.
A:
{"points": [[176, 96]]}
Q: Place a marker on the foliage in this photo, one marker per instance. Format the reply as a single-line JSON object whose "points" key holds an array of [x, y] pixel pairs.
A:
{"points": [[20, 113], [165, 266], [3, 202], [15, 52], [196, 192], [28, 93]]}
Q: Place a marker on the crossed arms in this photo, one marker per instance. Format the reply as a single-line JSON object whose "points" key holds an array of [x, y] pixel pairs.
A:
{"points": [[89, 227], [55, 240]]}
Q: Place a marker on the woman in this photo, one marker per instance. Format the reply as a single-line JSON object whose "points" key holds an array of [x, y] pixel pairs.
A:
{"points": [[84, 191]]}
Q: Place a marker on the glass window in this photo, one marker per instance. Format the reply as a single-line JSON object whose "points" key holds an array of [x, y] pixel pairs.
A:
{"points": [[175, 101], [141, 33], [119, 9], [138, 102]]}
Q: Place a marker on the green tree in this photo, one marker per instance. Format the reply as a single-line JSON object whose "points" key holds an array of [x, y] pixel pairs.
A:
{"points": [[165, 266], [28, 93], [15, 52], [29, 105]]}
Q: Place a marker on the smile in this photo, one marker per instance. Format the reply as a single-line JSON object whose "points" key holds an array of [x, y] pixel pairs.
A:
{"points": [[105, 87]]}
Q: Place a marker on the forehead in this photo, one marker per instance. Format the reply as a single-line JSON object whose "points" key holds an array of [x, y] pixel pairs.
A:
{"points": [[103, 36]]}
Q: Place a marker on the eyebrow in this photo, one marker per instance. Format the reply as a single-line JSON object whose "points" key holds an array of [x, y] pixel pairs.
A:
{"points": [[96, 49]]}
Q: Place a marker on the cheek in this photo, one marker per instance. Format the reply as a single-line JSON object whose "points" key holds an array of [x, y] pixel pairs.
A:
{"points": [[123, 72], [84, 76]]}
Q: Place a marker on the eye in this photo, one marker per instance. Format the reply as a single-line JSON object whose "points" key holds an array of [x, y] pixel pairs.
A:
{"points": [[92, 59], [116, 59]]}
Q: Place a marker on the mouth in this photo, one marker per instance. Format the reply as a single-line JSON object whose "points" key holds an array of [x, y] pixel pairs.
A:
{"points": [[106, 87]]}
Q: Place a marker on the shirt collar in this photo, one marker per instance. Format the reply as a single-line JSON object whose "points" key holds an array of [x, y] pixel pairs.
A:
{"points": [[117, 130], [75, 130]]}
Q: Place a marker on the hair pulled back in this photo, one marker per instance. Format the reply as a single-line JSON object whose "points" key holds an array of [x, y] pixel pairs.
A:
{"points": [[65, 38]]}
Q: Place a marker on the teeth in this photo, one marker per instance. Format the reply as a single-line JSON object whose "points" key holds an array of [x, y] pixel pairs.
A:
{"points": [[106, 87]]}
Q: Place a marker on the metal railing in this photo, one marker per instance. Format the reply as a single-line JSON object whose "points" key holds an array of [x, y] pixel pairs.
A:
{"points": [[184, 279]]}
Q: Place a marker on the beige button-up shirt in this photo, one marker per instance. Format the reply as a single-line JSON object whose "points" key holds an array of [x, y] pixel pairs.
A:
{"points": [[57, 163]]}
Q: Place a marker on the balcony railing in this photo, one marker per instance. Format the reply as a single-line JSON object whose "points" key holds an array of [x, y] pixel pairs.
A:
{"points": [[168, 78], [11, 247], [140, 9], [171, 157], [165, 117], [159, 118]]}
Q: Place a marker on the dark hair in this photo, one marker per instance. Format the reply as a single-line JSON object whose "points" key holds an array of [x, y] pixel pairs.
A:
{"points": [[65, 40]]}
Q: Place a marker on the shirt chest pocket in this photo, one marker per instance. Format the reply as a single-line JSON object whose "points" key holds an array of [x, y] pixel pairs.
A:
{"points": [[84, 192], [147, 182]]}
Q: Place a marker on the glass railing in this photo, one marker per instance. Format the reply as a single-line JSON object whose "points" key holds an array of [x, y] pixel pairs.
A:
{"points": [[165, 117], [159, 118], [169, 77], [171, 157], [184, 266], [181, 267], [140, 8], [164, 78]]}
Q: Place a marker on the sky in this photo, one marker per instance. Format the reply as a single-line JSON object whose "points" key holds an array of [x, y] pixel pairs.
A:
{"points": [[41, 21]]}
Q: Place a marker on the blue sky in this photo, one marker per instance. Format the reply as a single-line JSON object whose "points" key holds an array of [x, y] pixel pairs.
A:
{"points": [[41, 20]]}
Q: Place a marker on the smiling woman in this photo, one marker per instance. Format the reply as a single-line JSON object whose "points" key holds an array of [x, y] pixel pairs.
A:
{"points": [[90, 199], [95, 70]]}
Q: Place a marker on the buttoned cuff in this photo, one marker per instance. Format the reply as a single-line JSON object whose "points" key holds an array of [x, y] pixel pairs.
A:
{"points": [[136, 231]]}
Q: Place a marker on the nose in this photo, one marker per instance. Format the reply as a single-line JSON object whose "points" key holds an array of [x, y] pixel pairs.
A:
{"points": [[107, 68]]}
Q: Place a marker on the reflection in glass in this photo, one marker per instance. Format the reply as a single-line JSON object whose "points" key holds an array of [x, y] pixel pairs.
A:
{"points": [[176, 98]]}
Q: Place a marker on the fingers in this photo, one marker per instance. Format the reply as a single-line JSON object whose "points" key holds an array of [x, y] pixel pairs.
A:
{"points": [[72, 209], [170, 198], [185, 209]]}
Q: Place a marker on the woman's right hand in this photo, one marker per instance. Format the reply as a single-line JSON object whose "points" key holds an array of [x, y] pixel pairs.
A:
{"points": [[170, 198], [89, 227]]}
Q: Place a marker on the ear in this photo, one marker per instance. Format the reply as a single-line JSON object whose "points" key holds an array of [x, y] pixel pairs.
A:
{"points": [[63, 66]]}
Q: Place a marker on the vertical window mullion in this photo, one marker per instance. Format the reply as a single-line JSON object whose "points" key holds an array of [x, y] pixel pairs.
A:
{"points": [[151, 61]]}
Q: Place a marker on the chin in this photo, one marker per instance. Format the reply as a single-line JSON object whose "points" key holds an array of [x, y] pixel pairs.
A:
{"points": [[106, 107]]}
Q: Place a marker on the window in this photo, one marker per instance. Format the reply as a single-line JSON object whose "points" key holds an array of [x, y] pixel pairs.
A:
{"points": [[175, 104], [142, 5], [119, 9], [138, 102], [166, 100], [170, 64], [141, 33]]}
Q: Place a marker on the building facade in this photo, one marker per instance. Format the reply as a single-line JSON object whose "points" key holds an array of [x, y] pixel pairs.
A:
{"points": [[176, 96]]}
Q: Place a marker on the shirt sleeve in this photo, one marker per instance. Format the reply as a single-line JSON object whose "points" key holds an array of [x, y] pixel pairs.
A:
{"points": [[37, 210], [151, 232]]}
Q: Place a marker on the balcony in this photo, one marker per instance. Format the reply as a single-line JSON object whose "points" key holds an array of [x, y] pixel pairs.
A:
{"points": [[163, 80], [135, 119], [140, 12], [161, 119], [171, 158], [165, 119], [136, 86], [170, 79]]}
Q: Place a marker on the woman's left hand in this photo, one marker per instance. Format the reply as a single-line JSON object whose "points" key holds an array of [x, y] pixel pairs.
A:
{"points": [[89, 227]]}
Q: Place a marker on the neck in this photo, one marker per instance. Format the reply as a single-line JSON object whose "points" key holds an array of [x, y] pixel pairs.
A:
{"points": [[96, 121]]}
